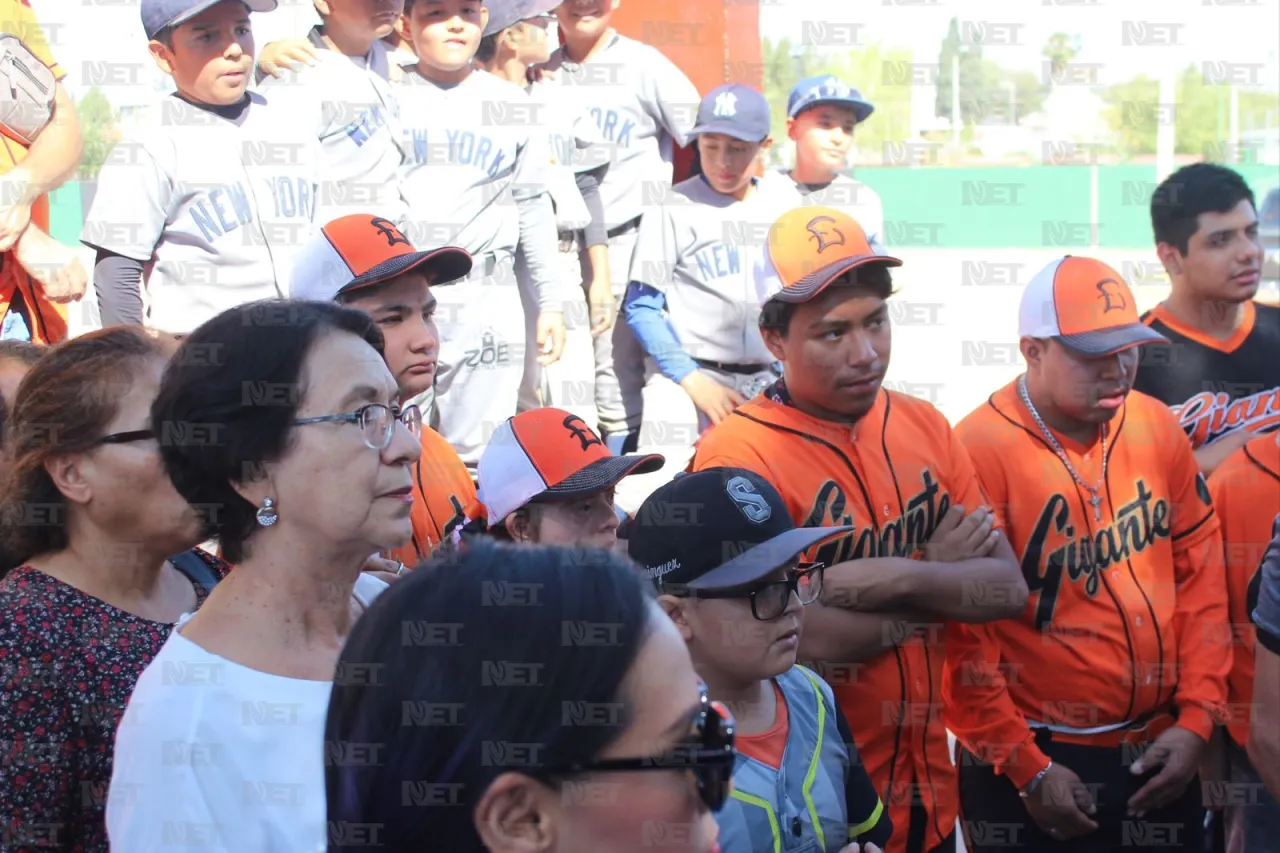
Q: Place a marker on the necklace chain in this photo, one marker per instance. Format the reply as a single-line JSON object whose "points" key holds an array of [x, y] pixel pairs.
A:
{"points": [[1094, 498]]}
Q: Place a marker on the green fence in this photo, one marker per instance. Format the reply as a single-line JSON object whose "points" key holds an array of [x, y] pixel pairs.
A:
{"points": [[1009, 207]]}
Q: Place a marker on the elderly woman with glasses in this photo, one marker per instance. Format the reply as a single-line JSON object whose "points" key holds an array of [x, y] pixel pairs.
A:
{"points": [[279, 422], [89, 592]]}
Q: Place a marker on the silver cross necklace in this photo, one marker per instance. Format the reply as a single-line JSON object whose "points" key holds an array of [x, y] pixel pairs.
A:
{"points": [[1094, 497]]}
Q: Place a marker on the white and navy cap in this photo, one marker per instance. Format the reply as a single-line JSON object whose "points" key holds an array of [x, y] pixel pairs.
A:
{"points": [[159, 15], [734, 110], [359, 250], [549, 454]]}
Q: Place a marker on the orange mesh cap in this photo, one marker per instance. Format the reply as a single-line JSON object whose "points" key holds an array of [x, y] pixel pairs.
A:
{"points": [[359, 250], [1085, 304], [807, 249], [552, 454]]}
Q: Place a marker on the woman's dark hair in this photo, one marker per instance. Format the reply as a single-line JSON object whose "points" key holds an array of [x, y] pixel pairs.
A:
{"points": [[487, 659], [228, 399], [876, 278], [63, 405], [1177, 203], [25, 354]]}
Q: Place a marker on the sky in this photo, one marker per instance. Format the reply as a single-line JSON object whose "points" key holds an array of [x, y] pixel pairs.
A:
{"points": [[87, 33]]}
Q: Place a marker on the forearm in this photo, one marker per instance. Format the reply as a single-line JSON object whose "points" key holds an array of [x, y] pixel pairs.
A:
{"points": [[982, 589], [643, 309], [1264, 735], [1204, 635], [55, 155], [595, 235], [835, 635], [118, 281], [979, 710], [598, 255], [538, 239]]}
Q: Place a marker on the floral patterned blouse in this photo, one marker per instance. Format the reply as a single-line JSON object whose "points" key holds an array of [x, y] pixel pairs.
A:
{"points": [[68, 663]]}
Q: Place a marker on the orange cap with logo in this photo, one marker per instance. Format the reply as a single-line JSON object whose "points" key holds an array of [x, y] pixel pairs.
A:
{"points": [[359, 250], [807, 249], [1085, 304], [549, 453]]}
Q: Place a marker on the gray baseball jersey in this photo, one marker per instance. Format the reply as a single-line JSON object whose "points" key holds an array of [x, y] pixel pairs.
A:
{"points": [[643, 104], [845, 194], [699, 248], [215, 209], [576, 145], [351, 109]]}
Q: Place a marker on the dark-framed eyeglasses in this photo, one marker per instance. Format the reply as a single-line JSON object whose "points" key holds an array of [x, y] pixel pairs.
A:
{"points": [[707, 753], [769, 599], [126, 437], [377, 422]]}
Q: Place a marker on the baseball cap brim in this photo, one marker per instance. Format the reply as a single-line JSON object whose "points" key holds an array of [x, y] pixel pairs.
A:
{"points": [[861, 109], [508, 13], [1113, 340], [728, 129], [445, 265], [203, 5], [760, 560], [815, 282], [602, 474]]}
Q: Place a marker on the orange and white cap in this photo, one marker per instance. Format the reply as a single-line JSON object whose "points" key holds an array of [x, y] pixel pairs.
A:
{"points": [[807, 249], [359, 250], [551, 454], [1085, 304]]}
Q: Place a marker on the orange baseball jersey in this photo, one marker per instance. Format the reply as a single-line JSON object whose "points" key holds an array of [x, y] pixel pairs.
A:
{"points": [[893, 475], [1127, 616], [1246, 496], [444, 498]]}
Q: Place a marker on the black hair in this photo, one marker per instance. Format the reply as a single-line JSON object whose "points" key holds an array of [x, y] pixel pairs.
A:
{"points": [[415, 735], [24, 353], [1177, 203], [220, 416], [488, 48], [776, 315]]}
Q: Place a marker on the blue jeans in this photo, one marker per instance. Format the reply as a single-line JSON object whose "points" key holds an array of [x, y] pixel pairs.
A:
{"points": [[15, 328]]}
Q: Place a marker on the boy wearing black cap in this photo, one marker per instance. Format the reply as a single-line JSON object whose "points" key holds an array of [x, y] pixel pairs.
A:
{"points": [[724, 555], [690, 301]]}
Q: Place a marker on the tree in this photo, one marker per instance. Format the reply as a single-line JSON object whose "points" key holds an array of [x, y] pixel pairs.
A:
{"points": [[98, 131], [972, 73], [1059, 50]]}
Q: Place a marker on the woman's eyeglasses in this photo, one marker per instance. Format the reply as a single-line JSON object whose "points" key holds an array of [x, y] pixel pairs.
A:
{"points": [[377, 422], [707, 753], [769, 599]]}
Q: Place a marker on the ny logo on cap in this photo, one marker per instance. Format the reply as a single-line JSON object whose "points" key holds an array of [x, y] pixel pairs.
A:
{"points": [[1116, 300], [726, 105], [821, 227], [578, 429], [390, 231], [752, 503]]}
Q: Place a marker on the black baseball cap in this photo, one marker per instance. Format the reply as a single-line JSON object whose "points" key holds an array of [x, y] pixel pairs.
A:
{"points": [[718, 529]]}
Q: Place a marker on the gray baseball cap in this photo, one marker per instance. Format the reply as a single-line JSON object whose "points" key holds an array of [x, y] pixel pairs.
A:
{"points": [[508, 13], [161, 14]]}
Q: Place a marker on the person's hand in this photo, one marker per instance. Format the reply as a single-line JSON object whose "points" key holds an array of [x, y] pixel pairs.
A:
{"points": [[386, 570], [855, 847], [962, 537], [54, 266], [1209, 458], [712, 399], [285, 55], [602, 304], [1178, 752], [15, 207], [1061, 804], [550, 337]]}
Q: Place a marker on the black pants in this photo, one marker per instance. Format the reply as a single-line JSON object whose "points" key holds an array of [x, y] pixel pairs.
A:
{"points": [[916, 832], [995, 818]]}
